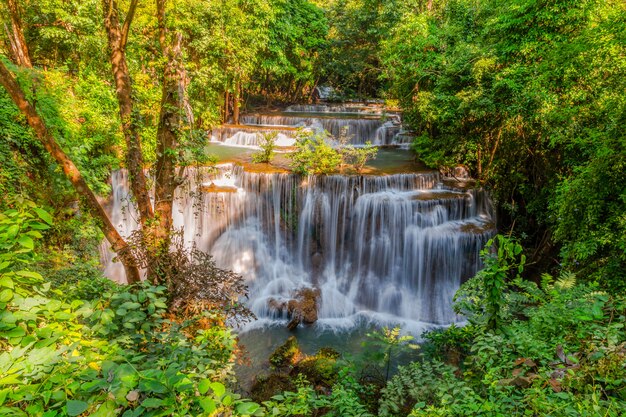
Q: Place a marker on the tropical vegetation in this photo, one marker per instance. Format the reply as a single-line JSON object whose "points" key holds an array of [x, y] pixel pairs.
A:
{"points": [[526, 95]]}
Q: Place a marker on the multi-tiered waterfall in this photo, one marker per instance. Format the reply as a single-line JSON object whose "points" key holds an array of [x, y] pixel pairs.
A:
{"points": [[390, 249], [362, 123]]}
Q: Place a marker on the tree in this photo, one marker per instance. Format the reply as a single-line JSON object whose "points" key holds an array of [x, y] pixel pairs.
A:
{"points": [[118, 244], [314, 155], [117, 39], [524, 94], [156, 223], [19, 48]]}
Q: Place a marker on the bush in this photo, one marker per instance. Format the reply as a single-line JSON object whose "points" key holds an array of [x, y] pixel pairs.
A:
{"points": [[267, 143], [314, 155], [116, 354]]}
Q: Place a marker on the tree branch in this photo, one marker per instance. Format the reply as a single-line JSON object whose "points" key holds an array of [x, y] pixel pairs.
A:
{"points": [[126, 27]]}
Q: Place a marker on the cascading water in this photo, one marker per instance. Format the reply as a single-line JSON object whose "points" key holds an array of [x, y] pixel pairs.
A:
{"points": [[363, 123], [359, 129], [248, 136], [390, 249]]}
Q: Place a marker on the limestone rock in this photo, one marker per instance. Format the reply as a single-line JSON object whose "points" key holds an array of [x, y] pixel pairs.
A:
{"points": [[302, 308]]}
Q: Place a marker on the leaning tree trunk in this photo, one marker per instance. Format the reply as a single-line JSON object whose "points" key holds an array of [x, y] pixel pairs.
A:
{"points": [[71, 172], [19, 48], [117, 39]]}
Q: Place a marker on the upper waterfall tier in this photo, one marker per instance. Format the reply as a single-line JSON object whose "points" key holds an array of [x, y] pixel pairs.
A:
{"points": [[389, 248], [361, 123]]}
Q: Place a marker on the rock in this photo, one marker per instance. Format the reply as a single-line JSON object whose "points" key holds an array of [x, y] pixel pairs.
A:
{"points": [[265, 387], [302, 308], [460, 172], [286, 355]]}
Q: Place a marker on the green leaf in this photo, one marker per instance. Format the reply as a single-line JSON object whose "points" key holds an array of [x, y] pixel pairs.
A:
{"points": [[29, 274], [6, 295], [44, 215], [247, 408], [6, 281], [152, 403], [26, 241], [218, 388], [105, 410], [204, 386], [75, 408], [207, 404]]}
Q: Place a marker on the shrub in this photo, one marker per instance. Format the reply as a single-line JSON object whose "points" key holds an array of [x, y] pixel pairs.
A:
{"points": [[314, 154], [116, 354], [267, 143]]}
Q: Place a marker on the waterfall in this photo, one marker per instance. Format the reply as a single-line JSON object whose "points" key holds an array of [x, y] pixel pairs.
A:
{"points": [[362, 122], [359, 129], [391, 249]]}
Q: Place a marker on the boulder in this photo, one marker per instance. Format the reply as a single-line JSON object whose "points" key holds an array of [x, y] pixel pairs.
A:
{"points": [[302, 308]]}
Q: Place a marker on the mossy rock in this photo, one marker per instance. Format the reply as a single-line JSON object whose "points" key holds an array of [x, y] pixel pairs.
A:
{"points": [[320, 369], [286, 355], [328, 352], [265, 387]]}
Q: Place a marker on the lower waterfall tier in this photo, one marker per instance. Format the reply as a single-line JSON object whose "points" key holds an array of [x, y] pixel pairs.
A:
{"points": [[390, 249]]}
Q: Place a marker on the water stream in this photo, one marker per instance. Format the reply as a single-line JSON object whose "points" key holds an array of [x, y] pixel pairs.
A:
{"points": [[384, 249], [362, 123], [387, 249]]}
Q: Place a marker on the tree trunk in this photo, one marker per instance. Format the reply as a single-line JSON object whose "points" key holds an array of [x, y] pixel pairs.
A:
{"points": [[71, 172], [19, 48], [236, 102], [117, 37], [172, 101], [226, 104], [479, 161]]}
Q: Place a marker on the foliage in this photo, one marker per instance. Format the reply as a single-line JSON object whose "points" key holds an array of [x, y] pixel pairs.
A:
{"points": [[387, 344], [314, 154], [352, 60], [560, 352], [114, 353], [320, 153], [290, 65], [485, 293], [356, 157], [525, 94], [267, 143], [343, 401]]}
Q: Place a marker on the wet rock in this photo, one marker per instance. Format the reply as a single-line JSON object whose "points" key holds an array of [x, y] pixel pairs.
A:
{"points": [[215, 188], [459, 173], [287, 362], [302, 308], [317, 261], [265, 387]]}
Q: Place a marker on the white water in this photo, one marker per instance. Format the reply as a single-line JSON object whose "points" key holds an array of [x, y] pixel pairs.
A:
{"points": [[362, 122], [388, 249]]}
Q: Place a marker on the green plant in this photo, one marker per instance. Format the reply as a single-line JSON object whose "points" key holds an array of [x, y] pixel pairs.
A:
{"points": [[356, 157], [482, 298], [267, 143], [117, 352], [389, 343], [314, 155]]}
